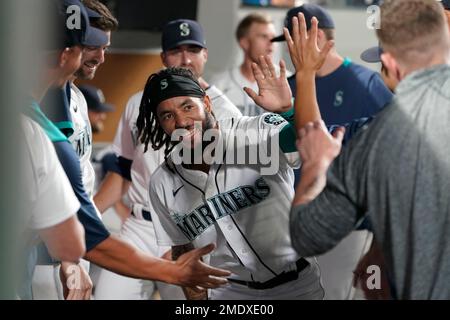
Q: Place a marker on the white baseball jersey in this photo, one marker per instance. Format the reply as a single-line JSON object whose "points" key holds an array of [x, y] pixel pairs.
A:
{"points": [[243, 211], [49, 198], [126, 145], [232, 82], [81, 138], [136, 230]]}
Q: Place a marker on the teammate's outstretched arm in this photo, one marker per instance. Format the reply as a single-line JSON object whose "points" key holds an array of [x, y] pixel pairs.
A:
{"points": [[187, 271], [190, 293], [307, 58]]}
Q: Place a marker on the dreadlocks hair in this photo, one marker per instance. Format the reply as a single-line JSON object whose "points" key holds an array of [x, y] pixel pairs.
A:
{"points": [[149, 129]]}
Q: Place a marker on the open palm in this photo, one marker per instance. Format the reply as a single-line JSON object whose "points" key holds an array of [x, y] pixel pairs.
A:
{"points": [[274, 92]]}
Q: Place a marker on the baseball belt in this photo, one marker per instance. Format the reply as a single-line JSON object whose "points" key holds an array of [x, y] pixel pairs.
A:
{"points": [[144, 214], [282, 278]]}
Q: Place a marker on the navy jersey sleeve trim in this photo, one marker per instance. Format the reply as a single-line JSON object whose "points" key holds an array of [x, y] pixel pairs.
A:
{"points": [[122, 167], [95, 230]]}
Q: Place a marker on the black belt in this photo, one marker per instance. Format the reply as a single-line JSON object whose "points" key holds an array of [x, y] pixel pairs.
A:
{"points": [[145, 214], [278, 280]]}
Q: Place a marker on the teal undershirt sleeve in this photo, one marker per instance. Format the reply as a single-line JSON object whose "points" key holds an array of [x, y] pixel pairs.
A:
{"points": [[288, 135]]}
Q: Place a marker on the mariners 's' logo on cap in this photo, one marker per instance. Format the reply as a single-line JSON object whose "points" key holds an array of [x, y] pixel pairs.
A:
{"points": [[185, 29], [164, 84]]}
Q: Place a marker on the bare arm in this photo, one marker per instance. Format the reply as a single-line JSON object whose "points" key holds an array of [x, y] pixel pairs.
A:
{"points": [[307, 59], [118, 256], [112, 189], [65, 241], [190, 293]]}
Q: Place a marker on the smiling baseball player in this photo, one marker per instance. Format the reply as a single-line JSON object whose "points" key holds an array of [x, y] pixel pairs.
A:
{"points": [[243, 211], [183, 44]]}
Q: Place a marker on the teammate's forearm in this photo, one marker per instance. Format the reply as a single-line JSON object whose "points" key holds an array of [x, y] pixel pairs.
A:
{"points": [[111, 190], [306, 106], [190, 294], [118, 256], [312, 183]]}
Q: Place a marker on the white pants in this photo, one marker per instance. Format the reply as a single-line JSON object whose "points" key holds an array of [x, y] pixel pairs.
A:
{"points": [[111, 286], [306, 287], [337, 265]]}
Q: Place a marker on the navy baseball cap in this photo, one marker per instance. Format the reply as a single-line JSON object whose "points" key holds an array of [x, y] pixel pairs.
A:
{"points": [[84, 34], [372, 55], [95, 99], [309, 10], [182, 31], [446, 4]]}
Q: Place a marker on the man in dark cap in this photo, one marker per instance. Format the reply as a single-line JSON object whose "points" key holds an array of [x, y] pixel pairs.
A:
{"points": [[345, 90], [373, 55], [97, 107]]}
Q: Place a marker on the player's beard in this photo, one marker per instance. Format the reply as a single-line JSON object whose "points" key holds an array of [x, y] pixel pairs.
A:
{"points": [[197, 142], [83, 74]]}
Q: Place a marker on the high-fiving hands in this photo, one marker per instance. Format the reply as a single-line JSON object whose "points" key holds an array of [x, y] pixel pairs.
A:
{"points": [[303, 48], [317, 146]]}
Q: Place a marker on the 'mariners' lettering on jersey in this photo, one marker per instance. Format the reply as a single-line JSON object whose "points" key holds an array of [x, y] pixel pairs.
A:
{"points": [[196, 222]]}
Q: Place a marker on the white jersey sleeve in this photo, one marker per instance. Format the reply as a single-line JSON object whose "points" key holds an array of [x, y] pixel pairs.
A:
{"points": [[222, 107], [167, 232], [126, 139], [262, 133], [50, 197]]}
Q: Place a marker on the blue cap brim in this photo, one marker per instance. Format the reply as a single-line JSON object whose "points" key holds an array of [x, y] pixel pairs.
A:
{"points": [[101, 107], [372, 55], [278, 39], [180, 43], [95, 38]]}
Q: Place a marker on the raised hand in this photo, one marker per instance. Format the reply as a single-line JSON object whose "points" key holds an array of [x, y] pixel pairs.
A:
{"points": [[304, 50], [317, 146], [195, 274], [274, 92]]}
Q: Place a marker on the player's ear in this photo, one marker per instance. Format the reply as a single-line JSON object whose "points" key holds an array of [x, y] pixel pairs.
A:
{"points": [[163, 58], [207, 103], [63, 57], [243, 43], [391, 65], [205, 54]]}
